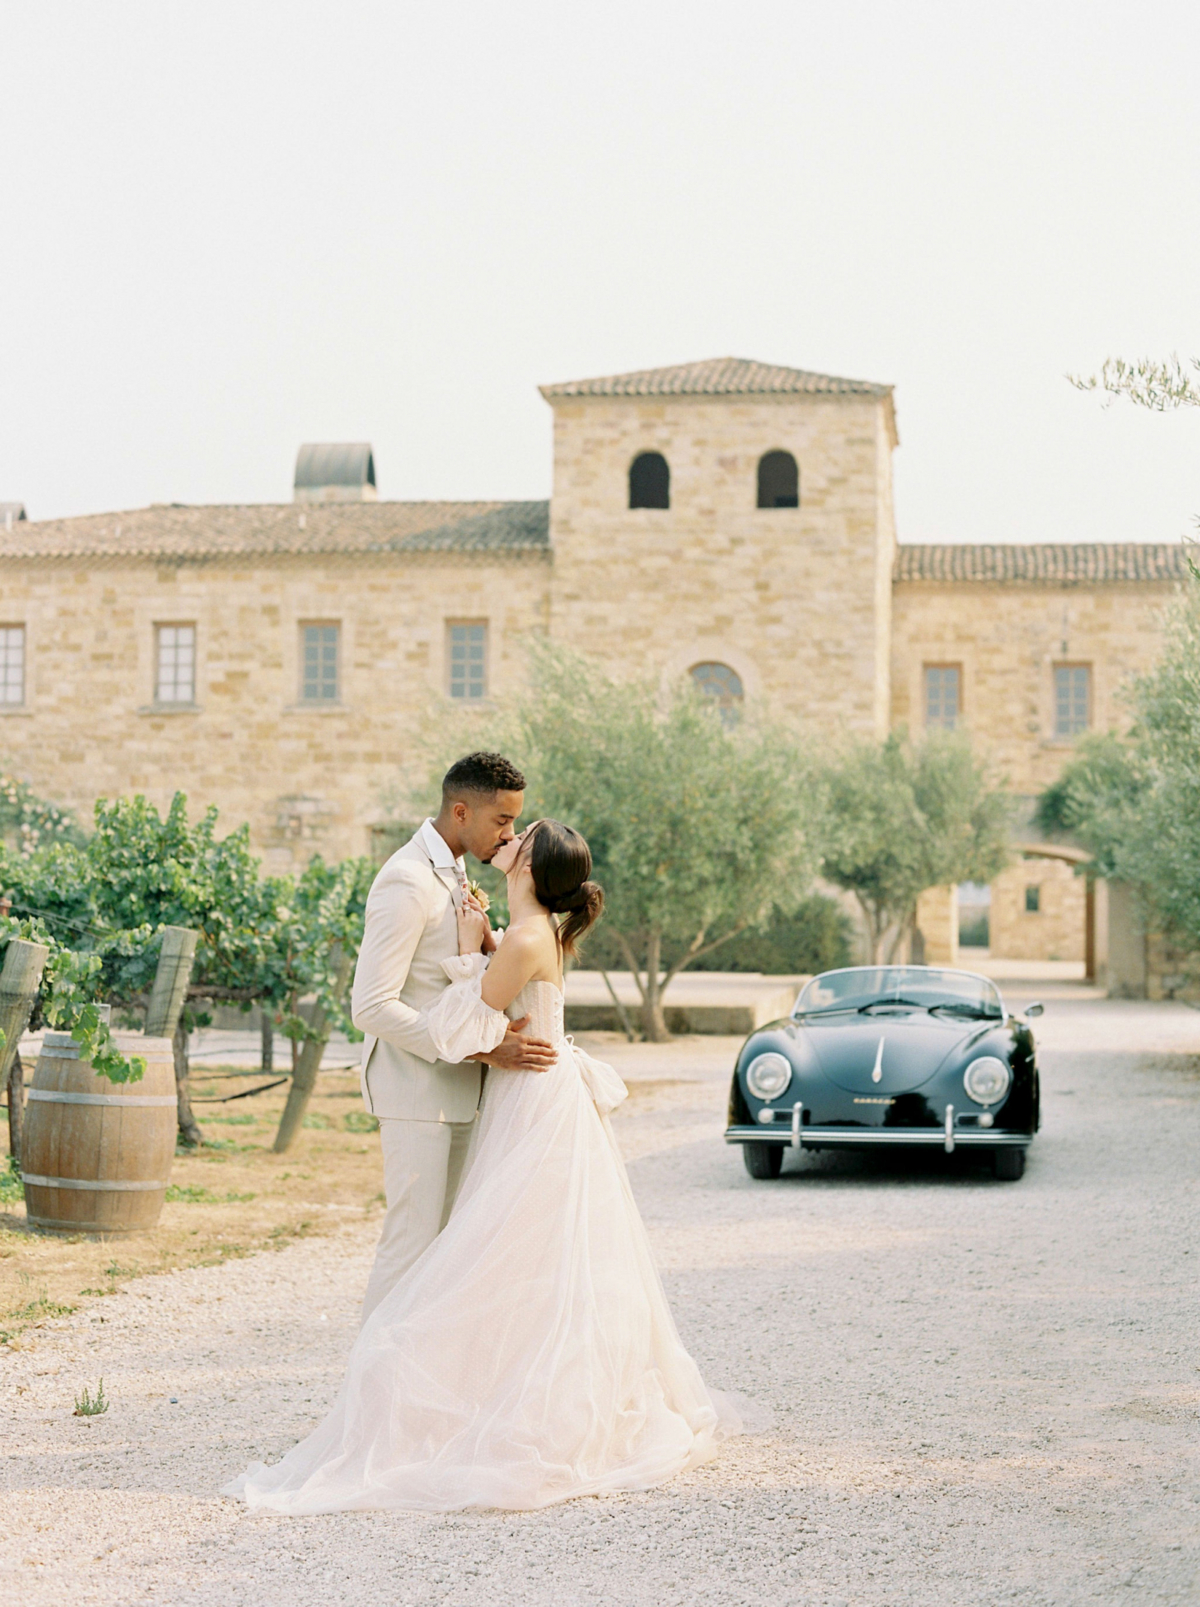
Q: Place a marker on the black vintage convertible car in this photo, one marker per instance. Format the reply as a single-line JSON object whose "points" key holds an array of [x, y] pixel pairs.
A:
{"points": [[897, 1055]]}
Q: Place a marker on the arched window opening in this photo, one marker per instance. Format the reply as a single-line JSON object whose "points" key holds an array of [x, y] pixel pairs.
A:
{"points": [[649, 481], [778, 481], [724, 686]]}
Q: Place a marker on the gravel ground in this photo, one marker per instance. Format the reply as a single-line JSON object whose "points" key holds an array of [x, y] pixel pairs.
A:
{"points": [[985, 1392]]}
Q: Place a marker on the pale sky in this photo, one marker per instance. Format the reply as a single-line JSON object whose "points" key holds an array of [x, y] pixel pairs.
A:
{"points": [[229, 228]]}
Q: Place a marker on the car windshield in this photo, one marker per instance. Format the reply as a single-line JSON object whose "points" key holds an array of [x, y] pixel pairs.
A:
{"points": [[956, 992]]}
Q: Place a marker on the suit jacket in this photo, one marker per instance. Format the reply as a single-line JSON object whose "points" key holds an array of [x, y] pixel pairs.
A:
{"points": [[411, 928]]}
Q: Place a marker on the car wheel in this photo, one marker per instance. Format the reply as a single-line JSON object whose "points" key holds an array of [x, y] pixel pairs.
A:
{"points": [[763, 1161], [1008, 1164]]}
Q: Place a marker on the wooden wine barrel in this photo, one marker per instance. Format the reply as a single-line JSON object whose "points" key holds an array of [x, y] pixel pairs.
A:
{"points": [[95, 1155]]}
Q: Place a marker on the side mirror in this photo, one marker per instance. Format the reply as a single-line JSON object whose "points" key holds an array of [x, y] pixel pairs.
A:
{"points": [[1032, 1011]]}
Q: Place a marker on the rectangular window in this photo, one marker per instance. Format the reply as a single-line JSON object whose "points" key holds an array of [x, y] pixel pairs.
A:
{"points": [[467, 653], [319, 663], [943, 695], [1072, 699], [1033, 900], [175, 679], [12, 664]]}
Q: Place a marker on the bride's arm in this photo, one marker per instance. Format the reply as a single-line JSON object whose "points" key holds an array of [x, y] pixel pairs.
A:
{"points": [[510, 968]]}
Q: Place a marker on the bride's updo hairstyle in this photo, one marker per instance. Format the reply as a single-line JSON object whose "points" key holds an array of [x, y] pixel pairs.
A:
{"points": [[561, 863]]}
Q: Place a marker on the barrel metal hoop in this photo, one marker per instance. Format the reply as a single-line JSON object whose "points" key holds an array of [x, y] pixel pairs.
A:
{"points": [[109, 1185], [53, 1096]]}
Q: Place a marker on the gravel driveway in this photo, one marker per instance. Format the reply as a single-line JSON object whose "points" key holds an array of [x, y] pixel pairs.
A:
{"points": [[985, 1392]]}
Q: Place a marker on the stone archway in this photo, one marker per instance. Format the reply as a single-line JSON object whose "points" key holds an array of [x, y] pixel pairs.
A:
{"points": [[1094, 949], [1075, 913]]}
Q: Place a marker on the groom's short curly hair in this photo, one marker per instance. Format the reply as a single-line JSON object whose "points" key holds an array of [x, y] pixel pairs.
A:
{"points": [[481, 775]]}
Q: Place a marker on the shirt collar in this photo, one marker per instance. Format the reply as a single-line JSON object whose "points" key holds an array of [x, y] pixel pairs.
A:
{"points": [[436, 846]]}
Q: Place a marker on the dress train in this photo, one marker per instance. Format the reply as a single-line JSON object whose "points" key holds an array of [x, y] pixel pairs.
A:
{"points": [[529, 1355]]}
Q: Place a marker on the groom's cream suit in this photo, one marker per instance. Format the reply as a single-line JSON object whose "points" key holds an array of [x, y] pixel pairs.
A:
{"points": [[425, 1106]]}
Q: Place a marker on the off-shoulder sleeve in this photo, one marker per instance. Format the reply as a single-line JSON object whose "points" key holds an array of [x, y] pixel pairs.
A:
{"points": [[458, 1021]]}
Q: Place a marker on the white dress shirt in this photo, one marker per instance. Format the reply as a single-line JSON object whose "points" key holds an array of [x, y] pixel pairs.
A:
{"points": [[438, 849]]}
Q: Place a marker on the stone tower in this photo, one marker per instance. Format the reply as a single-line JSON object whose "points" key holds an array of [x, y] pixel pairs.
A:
{"points": [[730, 516]]}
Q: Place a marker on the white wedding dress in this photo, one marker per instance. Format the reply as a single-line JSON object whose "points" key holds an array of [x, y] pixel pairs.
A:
{"points": [[529, 1355]]}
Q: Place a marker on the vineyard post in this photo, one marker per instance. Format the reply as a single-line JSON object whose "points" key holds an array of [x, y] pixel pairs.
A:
{"points": [[164, 1017], [19, 982], [175, 960], [309, 1062]]}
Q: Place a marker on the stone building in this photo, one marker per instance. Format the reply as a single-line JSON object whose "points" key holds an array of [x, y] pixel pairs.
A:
{"points": [[730, 520]]}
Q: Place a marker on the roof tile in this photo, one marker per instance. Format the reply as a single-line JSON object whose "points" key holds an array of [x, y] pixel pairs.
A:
{"points": [[719, 376], [1062, 563], [259, 529]]}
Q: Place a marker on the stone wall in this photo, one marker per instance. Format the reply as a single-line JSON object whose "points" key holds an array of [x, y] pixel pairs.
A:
{"points": [[1007, 638], [796, 600], [307, 779], [1171, 972], [937, 922], [1056, 931]]}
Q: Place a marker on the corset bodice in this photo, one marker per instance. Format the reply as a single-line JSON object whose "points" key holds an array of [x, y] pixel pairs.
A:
{"points": [[543, 1003]]}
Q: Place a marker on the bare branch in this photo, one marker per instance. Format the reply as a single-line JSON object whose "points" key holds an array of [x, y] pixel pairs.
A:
{"points": [[631, 961], [699, 947]]}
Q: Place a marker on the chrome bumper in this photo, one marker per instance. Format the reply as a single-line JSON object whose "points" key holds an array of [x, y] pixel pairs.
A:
{"points": [[854, 1137]]}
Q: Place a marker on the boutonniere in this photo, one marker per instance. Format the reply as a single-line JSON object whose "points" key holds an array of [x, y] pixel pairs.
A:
{"points": [[478, 894]]}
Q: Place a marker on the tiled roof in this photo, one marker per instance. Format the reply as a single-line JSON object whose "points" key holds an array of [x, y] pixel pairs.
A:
{"points": [[719, 376], [260, 529], [1051, 563]]}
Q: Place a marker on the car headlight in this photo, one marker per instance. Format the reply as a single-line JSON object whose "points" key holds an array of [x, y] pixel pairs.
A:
{"points": [[768, 1075], [986, 1080]]}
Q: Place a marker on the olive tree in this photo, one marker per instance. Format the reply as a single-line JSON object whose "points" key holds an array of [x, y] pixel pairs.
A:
{"points": [[1160, 385], [1134, 801], [698, 827], [904, 818]]}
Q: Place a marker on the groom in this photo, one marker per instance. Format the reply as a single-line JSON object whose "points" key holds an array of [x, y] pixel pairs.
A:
{"points": [[425, 1107]]}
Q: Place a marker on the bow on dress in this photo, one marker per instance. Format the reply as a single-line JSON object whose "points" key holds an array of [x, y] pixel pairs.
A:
{"points": [[600, 1080]]}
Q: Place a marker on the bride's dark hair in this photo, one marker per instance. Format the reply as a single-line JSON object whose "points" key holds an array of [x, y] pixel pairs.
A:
{"points": [[561, 863]]}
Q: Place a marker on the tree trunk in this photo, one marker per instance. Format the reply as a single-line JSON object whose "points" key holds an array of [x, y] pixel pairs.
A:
{"points": [[268, 1037], [16, 1108], [308, 1063], [19, 983], [904, 928], [622, 1013], [189, 1132], [876, 924], [656, 1022]]}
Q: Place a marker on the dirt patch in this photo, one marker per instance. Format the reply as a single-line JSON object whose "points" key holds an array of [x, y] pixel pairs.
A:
{"points": [[235, 1197], [231, 1198]]}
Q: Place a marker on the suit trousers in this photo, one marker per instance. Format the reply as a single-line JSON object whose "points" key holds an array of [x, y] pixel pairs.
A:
{"points": [[422, 1168]]}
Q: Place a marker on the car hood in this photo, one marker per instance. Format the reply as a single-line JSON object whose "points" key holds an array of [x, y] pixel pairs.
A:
{"points": [[888, 1054]]}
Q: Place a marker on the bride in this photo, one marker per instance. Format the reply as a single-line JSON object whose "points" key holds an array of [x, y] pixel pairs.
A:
{"points": [[529, 1355]]}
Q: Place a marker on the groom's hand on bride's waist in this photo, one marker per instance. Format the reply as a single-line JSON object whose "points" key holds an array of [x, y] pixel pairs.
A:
{"points": [[517, 1053]]}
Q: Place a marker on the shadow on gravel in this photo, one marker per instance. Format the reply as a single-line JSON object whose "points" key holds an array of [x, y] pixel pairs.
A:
{"points": [[711, 1178], [886, 1168], [1175, 1062]]}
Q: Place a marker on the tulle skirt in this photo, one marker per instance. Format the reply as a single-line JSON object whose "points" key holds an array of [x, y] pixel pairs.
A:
{"points": [[529, 1355]]}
